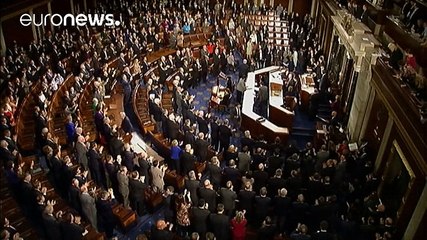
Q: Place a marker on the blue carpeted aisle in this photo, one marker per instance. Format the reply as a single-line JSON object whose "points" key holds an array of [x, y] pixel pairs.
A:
{"points": [[303, 131]]}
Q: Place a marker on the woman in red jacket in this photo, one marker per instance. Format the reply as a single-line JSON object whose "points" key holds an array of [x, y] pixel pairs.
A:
{"points": [[238, 226]]}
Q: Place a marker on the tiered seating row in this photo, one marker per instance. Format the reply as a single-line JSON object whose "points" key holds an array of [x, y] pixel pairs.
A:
{"points": [[56, 111], [25, 127], [277, 28]]}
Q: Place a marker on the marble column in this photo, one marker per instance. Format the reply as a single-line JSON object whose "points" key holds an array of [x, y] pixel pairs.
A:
{"points": [[384, 143], [2, 41], [72, 6], [417, 216], [313, 9], [33, 27], [49, 9], [361, 97], [85, 5]]}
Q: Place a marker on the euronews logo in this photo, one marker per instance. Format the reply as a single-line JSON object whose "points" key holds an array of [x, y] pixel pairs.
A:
{"points": [[93, 20]]}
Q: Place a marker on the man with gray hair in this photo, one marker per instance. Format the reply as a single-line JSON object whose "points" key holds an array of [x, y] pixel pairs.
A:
{"points": [[81, 152]]}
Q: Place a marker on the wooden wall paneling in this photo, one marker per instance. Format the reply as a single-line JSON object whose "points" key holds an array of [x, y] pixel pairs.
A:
{"points": [[421, 233], [404, 113], [377, 122], [414, 188], [14, 31], [61, 7], [302, 7]]}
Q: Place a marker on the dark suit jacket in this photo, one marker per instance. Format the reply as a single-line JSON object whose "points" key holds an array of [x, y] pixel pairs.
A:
{"points": [[74, 198], [220, 226], [126, 125], [187, 162], [189, 138], [262, 205], [136, 190], [224, 134], [105, 212], [246, 200], [214, 173], [210, 197], [201, 149], [233, 175], [275, 184], [228, 198], [261, 178], [199, 218], [52, 227], [71, 231], [192, 186], [203, 125], [173, 129]]}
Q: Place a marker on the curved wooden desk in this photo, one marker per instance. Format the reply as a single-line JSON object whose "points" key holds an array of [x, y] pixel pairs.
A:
{"points": [[56, 111], [249, 117]]}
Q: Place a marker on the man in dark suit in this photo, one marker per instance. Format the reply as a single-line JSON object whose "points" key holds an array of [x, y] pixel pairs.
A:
{"points": [[127, 157], [263, 99], [281, 207], [51, 224], [192, 184], [228, 198], [244, 69], [231, 173], [225, 134], [246, 199], [121, 62], [116, 145], [262, 206], [261, 177], [236, 115], [126, 125], [74, 195], [276, 182], [201, 147], [189, 137], [220, 223], [214, 133], [208, 194], [136, 193], [71, 229], [5, 154], [107, 220], [187, 160], [214, 172], [94, 159], [199, 218], [203, 124]]}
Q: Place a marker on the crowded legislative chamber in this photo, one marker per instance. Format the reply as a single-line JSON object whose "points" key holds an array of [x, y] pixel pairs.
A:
{"points": [[213, 119]]}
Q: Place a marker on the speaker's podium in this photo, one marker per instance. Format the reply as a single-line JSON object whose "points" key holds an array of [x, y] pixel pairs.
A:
{"points": [[280, 111], [253, 121]]}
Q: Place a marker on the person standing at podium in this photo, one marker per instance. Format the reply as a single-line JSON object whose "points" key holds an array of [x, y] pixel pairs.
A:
{"points": [[263, 99]]}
